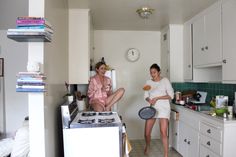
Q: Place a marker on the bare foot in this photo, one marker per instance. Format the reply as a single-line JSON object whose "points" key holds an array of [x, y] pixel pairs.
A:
{"points": [[146, 150]]}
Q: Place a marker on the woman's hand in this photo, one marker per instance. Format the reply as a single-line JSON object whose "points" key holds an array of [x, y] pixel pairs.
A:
{"points": [[153, 101]]}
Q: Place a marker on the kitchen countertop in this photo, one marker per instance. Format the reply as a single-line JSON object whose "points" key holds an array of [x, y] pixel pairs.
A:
{"points": [[229, 120]]}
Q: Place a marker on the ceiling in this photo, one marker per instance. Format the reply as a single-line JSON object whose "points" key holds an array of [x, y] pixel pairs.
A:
{"points": [[121, 14]]}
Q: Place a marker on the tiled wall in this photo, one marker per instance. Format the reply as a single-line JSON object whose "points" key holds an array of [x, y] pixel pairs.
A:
{"points": [[212, 89]]}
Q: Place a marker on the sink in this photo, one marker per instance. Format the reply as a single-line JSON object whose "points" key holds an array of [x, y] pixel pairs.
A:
{"points": [[204, 108]]}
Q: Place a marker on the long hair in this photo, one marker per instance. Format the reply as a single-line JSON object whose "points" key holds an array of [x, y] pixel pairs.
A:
{"points": [[97, 66], [155, 66]]}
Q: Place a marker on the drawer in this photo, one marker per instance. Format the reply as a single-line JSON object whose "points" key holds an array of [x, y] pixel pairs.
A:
{"points": [[211, 131], [211, 144], [204, 152]]}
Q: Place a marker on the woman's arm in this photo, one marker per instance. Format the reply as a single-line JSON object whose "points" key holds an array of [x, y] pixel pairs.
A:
{"points": [[91, 88]]}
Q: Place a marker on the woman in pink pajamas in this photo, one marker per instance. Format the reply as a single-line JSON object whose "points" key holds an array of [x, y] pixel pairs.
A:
{"points": [[100, 94]]}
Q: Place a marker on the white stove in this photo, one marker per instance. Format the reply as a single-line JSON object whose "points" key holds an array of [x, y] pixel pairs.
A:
{"points": [[91, 134], [96, 119]]}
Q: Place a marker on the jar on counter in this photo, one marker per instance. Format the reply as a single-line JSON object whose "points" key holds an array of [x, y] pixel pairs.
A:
{"points": [[178, 96]]}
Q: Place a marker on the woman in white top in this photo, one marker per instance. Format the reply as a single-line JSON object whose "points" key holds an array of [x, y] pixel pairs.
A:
{"points": [[159, 96]]}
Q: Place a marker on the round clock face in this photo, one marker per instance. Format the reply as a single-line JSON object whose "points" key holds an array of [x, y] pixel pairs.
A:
{"points": [[133, 54]]}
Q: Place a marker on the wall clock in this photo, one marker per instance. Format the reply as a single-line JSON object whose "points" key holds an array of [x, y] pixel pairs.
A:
{"points": [[132, 55]]}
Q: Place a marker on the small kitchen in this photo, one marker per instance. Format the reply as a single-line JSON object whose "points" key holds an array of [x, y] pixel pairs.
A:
{"points": [[197, 54]]}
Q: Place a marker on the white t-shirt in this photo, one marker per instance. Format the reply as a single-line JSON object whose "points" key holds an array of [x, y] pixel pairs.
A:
{"points": [[160, 88]]}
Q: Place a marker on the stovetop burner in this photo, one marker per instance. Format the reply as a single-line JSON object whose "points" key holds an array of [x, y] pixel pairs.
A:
{"points": [[105, 113], [88, 114], [86, 121], [108, 120]]}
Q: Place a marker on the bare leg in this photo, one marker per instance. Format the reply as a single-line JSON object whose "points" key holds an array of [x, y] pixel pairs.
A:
{"points": [[148, 130], [163, 122], [98, 107], [113, 98]]}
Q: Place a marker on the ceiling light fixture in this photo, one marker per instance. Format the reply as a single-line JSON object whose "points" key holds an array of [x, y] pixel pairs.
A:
{"points": [[144, 12]]}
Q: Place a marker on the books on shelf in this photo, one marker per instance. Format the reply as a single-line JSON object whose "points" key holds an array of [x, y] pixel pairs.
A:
{"points": [[30, 82], [24, 21], [31, 29]]}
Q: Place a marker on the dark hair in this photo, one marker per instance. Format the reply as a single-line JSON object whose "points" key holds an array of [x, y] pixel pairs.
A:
{"points": [[155, 66], [97, 66]]}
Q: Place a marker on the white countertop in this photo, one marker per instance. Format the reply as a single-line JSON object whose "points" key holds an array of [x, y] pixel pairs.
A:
{"points": [[229, 120]]}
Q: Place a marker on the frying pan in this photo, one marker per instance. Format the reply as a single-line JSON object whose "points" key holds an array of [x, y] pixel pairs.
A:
{"points": [[147, 112]]}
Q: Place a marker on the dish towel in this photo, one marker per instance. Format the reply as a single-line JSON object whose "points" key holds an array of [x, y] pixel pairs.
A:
{"points": [[126, 143]]}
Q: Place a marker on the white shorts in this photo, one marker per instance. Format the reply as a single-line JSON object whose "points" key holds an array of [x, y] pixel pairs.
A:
{"points": [[163, 111]]}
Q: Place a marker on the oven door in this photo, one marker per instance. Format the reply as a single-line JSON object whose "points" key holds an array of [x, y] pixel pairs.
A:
{"points": [[92, 142]]}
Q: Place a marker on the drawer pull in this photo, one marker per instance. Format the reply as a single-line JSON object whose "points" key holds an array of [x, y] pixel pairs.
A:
{"points": [[208, 143], [209, 131]]}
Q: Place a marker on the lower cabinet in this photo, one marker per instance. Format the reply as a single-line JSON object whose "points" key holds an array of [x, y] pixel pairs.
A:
{"points": [[201, 135], [174, 130], [205, 152], [188, 141]]}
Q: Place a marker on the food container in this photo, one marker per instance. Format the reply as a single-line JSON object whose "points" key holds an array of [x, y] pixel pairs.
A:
{"points": [[178, 96], [221, 101], [221, 105]]}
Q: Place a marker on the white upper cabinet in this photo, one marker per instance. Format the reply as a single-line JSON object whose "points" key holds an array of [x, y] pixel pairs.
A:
{"points": [[229, 40], [187, 57], [207, 44], [172, 52], [79, 46]]}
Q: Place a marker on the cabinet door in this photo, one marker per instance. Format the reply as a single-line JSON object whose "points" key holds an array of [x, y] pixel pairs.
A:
{"points": [[79, 50], [188, 69], [213, 43], [199, 54], [229, 38], [165, 54], [193, 143], [183, 149], [174, 131]]}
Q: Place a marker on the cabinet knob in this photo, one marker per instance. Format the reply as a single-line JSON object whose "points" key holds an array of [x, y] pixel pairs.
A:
{"points": [[188, 142], [185, 140], [206, 47], [202, 48], [208, 156], [176, 134], [209, 131], [224, 61], [189, 66], [208, 143]]}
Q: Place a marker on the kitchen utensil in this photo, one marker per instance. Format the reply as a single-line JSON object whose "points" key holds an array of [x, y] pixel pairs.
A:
{"points": [[147, 112]]}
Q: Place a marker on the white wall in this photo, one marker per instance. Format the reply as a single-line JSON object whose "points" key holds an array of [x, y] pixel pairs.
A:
{"points": [[10, 10], [113, 45], [16, 104], [44, 107], [56, 69]]}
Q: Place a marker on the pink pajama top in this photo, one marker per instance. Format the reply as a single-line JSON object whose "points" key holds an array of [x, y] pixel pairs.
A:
{"points": [[95, 92]]}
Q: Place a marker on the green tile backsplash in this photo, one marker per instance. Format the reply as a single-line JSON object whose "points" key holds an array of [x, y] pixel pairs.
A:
{"points": [[212, 89]]}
